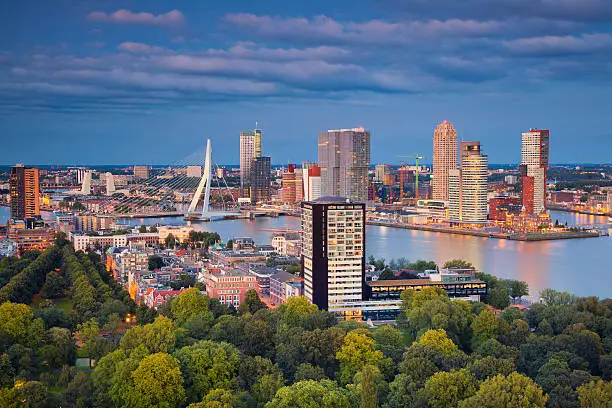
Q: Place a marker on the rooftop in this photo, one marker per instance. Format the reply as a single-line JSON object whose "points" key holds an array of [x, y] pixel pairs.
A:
{"points": [[416, 282]]}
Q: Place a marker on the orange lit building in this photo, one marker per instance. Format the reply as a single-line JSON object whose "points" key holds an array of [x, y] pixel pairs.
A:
{"points": [[289, 184], [25, 192], [499, 207], [229, 286], [28, 239], [528, 191], [526, 222]]}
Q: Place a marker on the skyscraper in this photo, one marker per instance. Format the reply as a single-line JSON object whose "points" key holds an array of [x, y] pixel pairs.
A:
{"points": [[467, 186], [24, 192], [250, 149], [333, 251], [444, 158], [289, 184], [260, 179], [535, 156], [344, 158]]}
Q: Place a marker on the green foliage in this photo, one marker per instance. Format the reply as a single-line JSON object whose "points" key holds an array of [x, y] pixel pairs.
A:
{"points": [[156, 382], [310, 394], [514, 390], [457, 263], [553, 297], [438, 340], [595, 394], [446, 389], [155, 262], [207, 365], [156, 337], [188, 304], [252, 303], [386, 274], [358, 350]]}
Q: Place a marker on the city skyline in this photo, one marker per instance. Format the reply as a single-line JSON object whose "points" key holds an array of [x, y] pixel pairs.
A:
{"points": [[148, 82]]}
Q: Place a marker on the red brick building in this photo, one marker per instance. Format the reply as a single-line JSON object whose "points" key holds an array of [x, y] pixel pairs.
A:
{"points": [[229, 286], [500, 206], [528, 194]]}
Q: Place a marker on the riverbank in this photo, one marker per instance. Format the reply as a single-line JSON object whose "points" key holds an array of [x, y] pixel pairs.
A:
{"points": [[485, 234], [563, 208]]}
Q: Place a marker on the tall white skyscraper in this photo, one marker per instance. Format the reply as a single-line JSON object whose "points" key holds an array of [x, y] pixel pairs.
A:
{"points": [[535, 157], [468, 184], [344, 158], [444, 158]]}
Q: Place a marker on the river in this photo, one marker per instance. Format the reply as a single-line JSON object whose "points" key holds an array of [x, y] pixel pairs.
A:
{"points": [[579, 266]]}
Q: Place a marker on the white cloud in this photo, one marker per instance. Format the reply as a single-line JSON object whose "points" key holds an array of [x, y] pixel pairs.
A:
{"points": [[171, 18]]}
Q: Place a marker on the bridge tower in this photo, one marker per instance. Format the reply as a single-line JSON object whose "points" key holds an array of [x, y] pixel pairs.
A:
{"points": [[205, 183]]}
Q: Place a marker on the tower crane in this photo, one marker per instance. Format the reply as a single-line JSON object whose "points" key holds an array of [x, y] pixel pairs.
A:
{"points": [[415, 157]]}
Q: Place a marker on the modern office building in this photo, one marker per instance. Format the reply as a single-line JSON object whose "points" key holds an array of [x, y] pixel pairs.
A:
{"points": [[467, 186], [333, 252], [527, 190], [289, 186], [344, 158], [24, 192], [250, 149], [311, 181], [380, 171], [444, 159], [141, 172], [260, 179], [535, 156]]}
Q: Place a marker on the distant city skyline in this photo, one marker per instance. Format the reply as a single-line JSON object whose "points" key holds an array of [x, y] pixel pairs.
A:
{"points": [[149, 82]]}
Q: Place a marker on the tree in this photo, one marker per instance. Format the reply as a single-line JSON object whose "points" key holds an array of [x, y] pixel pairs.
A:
{"points": [[514, 390], [295, 311], [595, 394], [389, 341], [156, 337], [156, 382], [207, 365], [446, 389], [457, 263], [485, 326], [518, 289], [386, 274], [307, 371], [54, 285], [552, 297], [142, 229], [230, 244], [170, 241], [498, 298], [309, 394], [368, 388], [188, 304], [17, 325], [438, 340], [489, 366], [423, 266], [155, 262], [358, 350], [252, 303]]}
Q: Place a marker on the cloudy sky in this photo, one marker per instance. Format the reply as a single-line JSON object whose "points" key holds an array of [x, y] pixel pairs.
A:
{"points": [[146, 81]]}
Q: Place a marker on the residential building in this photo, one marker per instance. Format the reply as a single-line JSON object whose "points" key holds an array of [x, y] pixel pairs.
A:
{"points": [[286, 243], [333, 251], [467, 186], [260, 180], [27, 239], [444, 159], [299, 186], [284, 285], [141, 172], [229, 286], [344, 158], [535, 156], [24, 192], [194, 171]]}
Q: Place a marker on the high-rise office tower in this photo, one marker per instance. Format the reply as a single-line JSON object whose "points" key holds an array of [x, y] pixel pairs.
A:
{"points": [[24, 192], [467, 186], [333, 251], [260, 179], [344, 158], [110, 183], [535, 156], [444, 158], [289, 184], [86, 185], [250, 149], [299, 185], [141, 172]]}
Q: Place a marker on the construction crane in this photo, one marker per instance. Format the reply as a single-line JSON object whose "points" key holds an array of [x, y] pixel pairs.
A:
{"points": [[415, 157]]}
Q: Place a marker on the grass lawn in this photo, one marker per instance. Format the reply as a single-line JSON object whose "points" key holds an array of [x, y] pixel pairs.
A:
{"points": [[62, 303]]}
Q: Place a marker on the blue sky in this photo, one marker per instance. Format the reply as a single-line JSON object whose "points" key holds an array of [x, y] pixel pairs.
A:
{"points": [[146, 81]]}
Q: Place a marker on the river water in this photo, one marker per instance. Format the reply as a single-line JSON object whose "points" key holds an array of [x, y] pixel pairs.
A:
{"points": [[579, 266]]}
